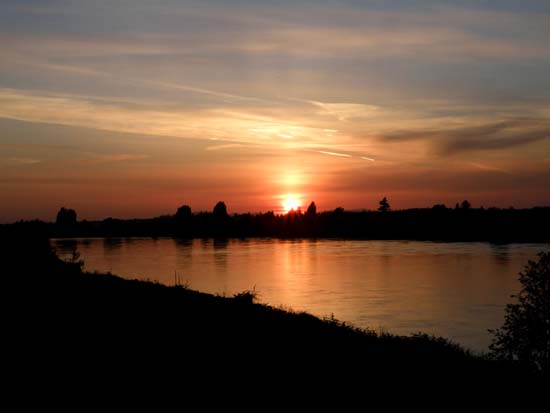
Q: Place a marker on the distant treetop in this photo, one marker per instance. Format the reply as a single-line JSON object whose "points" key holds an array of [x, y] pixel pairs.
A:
{"points": [[220, 210], [66, 217], [184, 212], [384, 205], [311, 210]]}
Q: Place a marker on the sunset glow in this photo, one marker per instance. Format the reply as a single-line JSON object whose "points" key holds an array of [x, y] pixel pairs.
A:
{"points": [[291, 204], [202, 101]]}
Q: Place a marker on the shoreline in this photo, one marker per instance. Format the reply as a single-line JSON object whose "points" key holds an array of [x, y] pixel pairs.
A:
{"points": [[104, 321]]}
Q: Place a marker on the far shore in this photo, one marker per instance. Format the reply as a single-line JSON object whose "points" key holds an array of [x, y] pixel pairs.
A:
{"points": [[499, 226]]}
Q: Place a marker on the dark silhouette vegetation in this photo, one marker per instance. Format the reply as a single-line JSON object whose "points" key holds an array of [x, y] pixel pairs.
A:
{"points": [[220, 211], [384, 205], [66, 217], [438, 223], [525, 335], [81, 325], [311, 211], [183, 214]]}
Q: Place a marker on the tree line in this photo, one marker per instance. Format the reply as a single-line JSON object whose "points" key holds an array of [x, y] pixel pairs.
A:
{"points": [[461, 223]]}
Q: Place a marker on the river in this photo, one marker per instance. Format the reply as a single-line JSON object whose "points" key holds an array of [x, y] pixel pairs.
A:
{"points": [[454, 290]]}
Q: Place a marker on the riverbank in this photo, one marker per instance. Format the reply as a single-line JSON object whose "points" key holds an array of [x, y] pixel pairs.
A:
{"points": [[453, 290], [81, 323]]}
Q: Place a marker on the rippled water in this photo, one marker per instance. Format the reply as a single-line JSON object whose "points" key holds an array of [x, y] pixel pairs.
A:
{"points": [[456, 290]]}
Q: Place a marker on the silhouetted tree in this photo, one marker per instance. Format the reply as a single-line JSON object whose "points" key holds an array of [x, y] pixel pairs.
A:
{"points": [[457, 206], [183, 213], [220, 210], [311, 210], [493, 224], [465, 204], [384, 205], [66, 217], [525, 335], [183, 221]]}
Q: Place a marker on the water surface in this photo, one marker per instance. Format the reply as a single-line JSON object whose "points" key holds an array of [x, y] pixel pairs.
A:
{"points": [[456, 290]]}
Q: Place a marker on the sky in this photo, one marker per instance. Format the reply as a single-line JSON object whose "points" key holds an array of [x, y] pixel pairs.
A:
{"points": [[131, 108]]}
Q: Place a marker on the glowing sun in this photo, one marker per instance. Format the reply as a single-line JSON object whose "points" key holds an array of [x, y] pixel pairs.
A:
{"points": [[290, 204]]}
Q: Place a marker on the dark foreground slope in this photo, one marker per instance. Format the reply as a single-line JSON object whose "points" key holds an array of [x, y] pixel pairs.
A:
{"points": [[82, 325]]}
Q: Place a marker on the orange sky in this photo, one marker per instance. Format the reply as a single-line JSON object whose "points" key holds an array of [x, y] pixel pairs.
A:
{"points": [[131, 113]]}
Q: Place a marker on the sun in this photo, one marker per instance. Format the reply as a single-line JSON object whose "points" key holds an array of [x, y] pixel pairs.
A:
{"points": [[291, 204]]}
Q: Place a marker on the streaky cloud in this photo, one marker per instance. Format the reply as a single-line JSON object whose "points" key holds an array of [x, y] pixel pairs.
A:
{"points": [[346, 111], [121, 157], [225, 146], [344, 155], [490, 136], [22, 161], [485, 167]]}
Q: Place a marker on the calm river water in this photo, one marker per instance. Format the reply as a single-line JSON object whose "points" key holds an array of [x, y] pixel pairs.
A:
{"points": [[456, 290]]}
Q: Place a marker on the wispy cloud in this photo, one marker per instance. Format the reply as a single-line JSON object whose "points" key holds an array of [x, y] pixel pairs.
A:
{"points": [[344, 155], [129, 80], [485, 167], [225, 146], [243, 124], [346, 111], [499, 138], [22, 161], [489, 136], [121, 157]]}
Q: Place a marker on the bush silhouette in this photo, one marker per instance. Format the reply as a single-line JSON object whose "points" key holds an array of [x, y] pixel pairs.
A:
{"points": [[384, 205], [246, 297], [220, 210], [184, 213], [525, 335], [66, 217]]}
